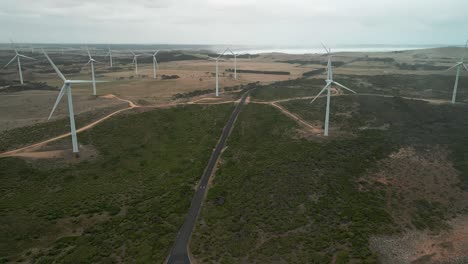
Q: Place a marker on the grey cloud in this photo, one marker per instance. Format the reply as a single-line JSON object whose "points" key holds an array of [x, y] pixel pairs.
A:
{"points": [[239, 22]]}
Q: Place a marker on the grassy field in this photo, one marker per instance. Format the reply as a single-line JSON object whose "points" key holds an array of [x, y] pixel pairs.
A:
{"points": [[279, 197], [125, 205], [23, 136], [288, 89]]}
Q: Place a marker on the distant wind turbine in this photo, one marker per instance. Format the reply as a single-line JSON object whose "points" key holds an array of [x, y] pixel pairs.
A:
{"points": [[329, 81], [135, 61], [66, 88], [17, 57], [155, 64], [217, 59], [109, 53], [92, 61], [458, 65]]}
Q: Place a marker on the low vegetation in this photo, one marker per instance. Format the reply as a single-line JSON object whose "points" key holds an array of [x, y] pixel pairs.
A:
{"points": [[288, 89], [421, 86], [260, 72], [279, 197], [125, 205], [192, 94], [23, 136], [169, 77], [284, 199], [320, 62], [13, 86]]}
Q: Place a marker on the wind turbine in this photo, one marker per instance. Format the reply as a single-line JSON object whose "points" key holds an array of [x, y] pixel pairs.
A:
{"points": [[217, 59], [329, 81], [92, 61], [235, 63], [66, 88], [109, 53], [17, 57], [135, 61], [155, 64], [458, 65]]}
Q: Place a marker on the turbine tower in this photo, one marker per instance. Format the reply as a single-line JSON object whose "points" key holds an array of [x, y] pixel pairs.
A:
{"points": [[109, 53], [217, 59], [458, 65], [92, 61], [66, 88], [155, 64], [329, 81], [135, 61], [17, 57]]}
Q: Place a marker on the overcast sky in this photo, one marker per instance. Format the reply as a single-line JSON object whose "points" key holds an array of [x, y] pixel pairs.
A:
{"points": [[250, 22]]}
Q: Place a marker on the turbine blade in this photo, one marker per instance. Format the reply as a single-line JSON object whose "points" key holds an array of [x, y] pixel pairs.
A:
{"points": [[328, 52], [321, 92], [89, 54], [454, 66], [26, 57], [222, 53], [229, 49], [10, 61], [59, 97], [344, 87], [55, 67], [464, 66], [85, 65]]}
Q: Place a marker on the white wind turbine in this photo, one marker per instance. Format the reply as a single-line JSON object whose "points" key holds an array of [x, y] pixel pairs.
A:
{"points": [[217, 59], [135, 61], [109, 53], [458, 65], [155, 64], [17, 57], [92, 61], [66, 88], [235, 63], [329, 81]]}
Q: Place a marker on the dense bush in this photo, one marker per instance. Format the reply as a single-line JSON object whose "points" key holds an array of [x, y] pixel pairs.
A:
{"points": [[126, 205]]}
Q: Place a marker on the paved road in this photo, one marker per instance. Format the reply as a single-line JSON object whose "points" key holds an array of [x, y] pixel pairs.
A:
{"points": [[179, 252]]}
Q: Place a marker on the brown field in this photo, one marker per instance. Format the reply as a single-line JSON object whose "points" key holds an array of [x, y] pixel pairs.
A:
{"points": [[28, 107]]}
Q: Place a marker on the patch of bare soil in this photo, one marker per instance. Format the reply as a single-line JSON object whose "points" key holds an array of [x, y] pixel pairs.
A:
{"points": [[59, 153], [421, 247], [409, 176]]}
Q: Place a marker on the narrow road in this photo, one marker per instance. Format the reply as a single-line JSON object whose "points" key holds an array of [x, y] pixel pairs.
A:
{"points": [[179, 252]]}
